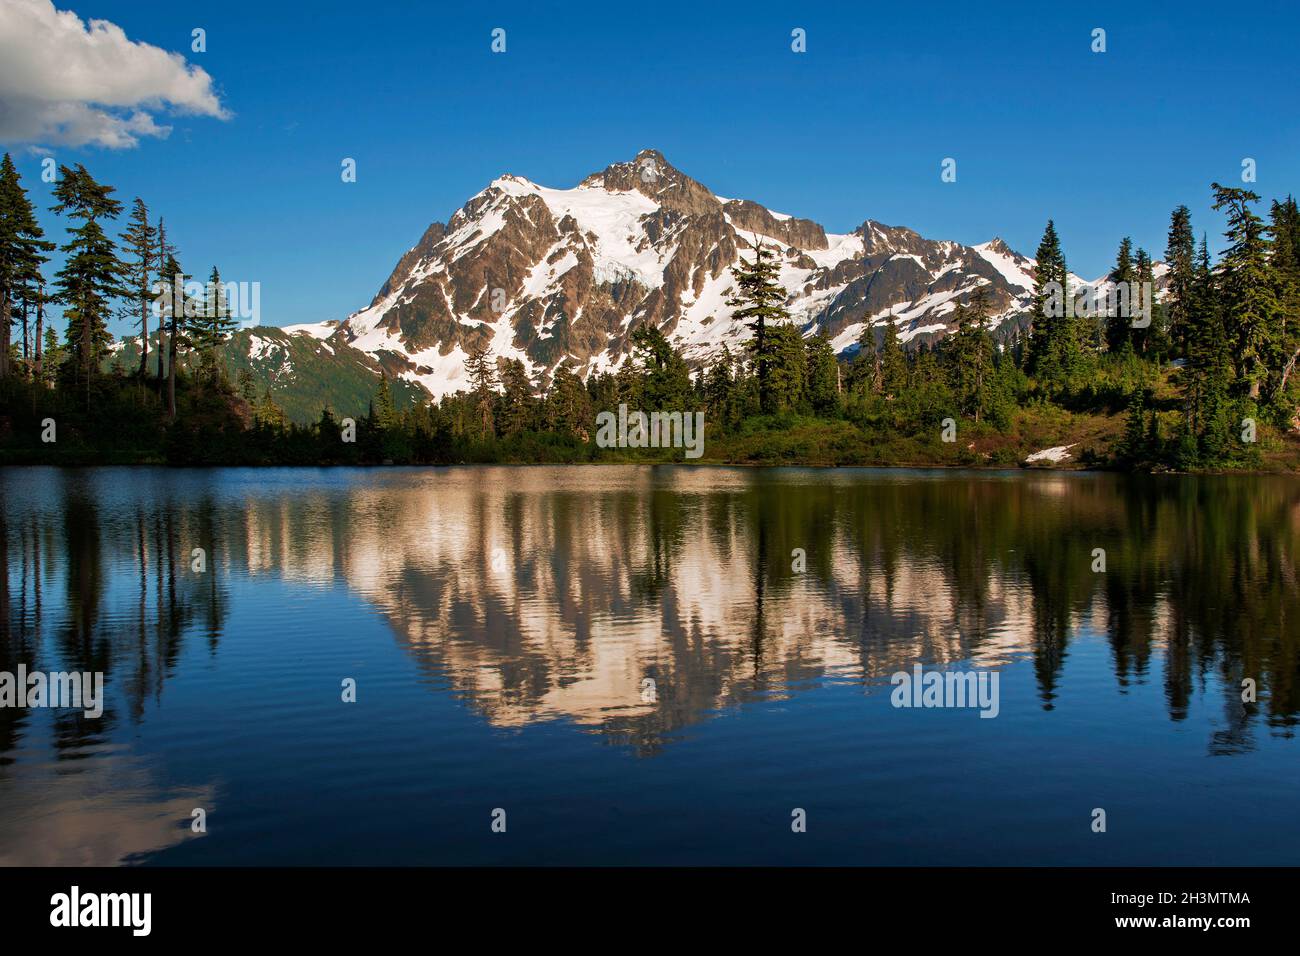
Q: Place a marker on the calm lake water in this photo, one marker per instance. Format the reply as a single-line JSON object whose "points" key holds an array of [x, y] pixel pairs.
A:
{"points": [[627, 661]]}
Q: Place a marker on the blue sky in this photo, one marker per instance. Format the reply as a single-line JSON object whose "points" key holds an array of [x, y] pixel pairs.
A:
{"points": [[857, 127]]}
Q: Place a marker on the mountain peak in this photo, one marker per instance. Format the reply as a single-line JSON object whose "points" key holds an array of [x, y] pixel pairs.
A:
{"points": [[546, 275]]}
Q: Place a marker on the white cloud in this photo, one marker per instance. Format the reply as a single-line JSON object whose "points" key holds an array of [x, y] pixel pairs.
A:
{"points": [[67, 82]]}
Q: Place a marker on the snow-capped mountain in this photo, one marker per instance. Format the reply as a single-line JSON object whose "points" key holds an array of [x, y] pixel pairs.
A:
{"points": [[545, 275]]}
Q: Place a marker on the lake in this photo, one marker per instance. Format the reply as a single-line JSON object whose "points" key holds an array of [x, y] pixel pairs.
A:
{"points": [[651, 665]]}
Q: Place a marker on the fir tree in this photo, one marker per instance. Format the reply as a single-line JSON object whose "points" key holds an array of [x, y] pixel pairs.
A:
{"points": [[382, 409], [665, 378], [568, 407], [519, 401], [482, 379], [52, 360], [971, 356], [1248, 296], [1149, 339], [1054, 341], [787, 375], [1180, 254], [92, 274], [822, 373], [166, 284], [1207, 373], [893, 363], [213, 325], [1119, 328], [22, 243], [139, 245], [759, 302], [1284, 263]]}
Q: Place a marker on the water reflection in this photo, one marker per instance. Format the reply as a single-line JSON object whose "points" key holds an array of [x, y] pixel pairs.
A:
{"points": [[555, 594]]}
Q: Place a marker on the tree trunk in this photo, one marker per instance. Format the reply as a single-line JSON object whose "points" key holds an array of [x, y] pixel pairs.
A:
{"points": [[27, 356], [40, 330], [144, 338], [4, 333], [171, 370]]}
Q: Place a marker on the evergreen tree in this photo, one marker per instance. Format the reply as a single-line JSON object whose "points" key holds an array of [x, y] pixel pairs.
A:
{"points": [[719, 389], [1284, 263], [822, 373], [247, 387], [213, 325], [92, 274], [519, 402], [1149, 339], [1054, 338], [139, 246], [1207, 373], [1248, 296], [787, 373], [167, 281], [970, 355], [666, 381], [382, 409], [52, 360], [21, 243], [1119, 328], [759, 302], [1180, 254], [177, 311], [893, 363], [568, 407], [482, 381]]}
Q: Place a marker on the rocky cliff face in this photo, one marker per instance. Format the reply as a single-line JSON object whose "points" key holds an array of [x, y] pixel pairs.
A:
{"points": [[545, 275]]}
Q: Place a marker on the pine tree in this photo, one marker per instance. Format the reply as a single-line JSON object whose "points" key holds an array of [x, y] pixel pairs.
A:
{"points": [[519, 401], [213, 325], [383, 410], [822, 373], [1119, 327], [52, 360], [568, 407], [92, 274], [1053, 337], [1248, 296], [178, 309], [787, 373], [1148, 339], [1180, 254], [21, 244], [247, 387], [482, 378], [665, 378], [1284, 263], [970, 354], [893, 363], [759, 302], [167, 281], [138, 243], [1207, 373], [720, 388]]}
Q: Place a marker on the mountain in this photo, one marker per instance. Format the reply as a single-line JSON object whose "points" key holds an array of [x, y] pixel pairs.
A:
{"points": [[544, 274]]}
